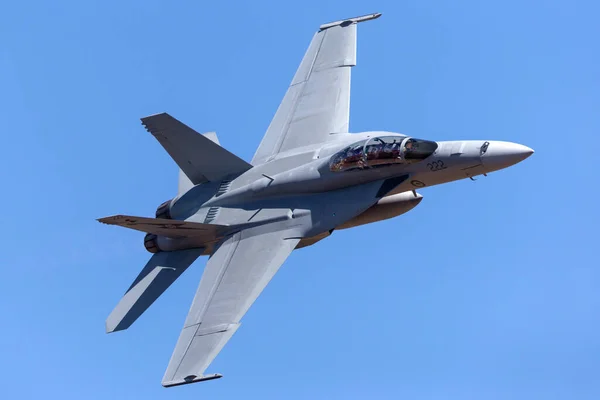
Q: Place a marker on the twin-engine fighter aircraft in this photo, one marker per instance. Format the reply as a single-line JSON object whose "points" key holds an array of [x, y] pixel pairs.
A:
{"points": [[308, 178]]}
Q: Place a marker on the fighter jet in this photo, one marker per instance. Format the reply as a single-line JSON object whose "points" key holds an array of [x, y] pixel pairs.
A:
{"points": [[308, 178]]}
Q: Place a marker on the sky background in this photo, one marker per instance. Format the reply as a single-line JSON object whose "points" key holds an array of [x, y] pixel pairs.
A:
{"points": [[490, 289]]}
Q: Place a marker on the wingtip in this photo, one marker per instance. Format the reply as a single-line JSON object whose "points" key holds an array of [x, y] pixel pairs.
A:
{"points": [[355, 20], [190, 379]]}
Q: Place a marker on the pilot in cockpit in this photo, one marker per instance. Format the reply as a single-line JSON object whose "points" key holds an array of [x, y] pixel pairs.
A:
{"points": [[379, 152]]}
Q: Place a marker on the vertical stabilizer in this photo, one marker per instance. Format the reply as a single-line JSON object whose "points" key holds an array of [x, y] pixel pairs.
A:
{"points": [[185, 183], [200, 158]]}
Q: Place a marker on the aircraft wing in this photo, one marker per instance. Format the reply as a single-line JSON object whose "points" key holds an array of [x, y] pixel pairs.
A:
{"points": [[317, 102], [234, 276]]}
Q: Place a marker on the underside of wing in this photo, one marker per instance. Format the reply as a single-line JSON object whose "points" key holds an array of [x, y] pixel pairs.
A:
{"points": [[233, 278], [317, 102], [166, 227]]}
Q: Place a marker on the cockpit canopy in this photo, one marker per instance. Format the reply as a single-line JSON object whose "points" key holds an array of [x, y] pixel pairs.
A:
{"points": [[381, 151]]}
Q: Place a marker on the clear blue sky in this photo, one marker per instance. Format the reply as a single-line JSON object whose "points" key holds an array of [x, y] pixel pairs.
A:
{"points": [[491, 289]]}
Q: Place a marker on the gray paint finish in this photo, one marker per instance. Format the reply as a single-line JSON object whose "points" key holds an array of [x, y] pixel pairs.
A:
{"points": [[309, 177], [156, 277], [200, 158], [317, 103], [233, 278]]}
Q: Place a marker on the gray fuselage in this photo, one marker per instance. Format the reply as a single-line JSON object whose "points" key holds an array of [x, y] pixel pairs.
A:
{"points": [[307, 172]]}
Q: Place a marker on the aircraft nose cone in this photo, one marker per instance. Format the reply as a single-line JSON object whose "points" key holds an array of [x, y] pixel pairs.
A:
{"points": [[504, 154]]}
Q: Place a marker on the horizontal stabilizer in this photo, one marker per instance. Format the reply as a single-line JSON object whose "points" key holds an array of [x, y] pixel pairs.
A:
{"points": [[156, 277], [199, 157], [167, 227]]}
